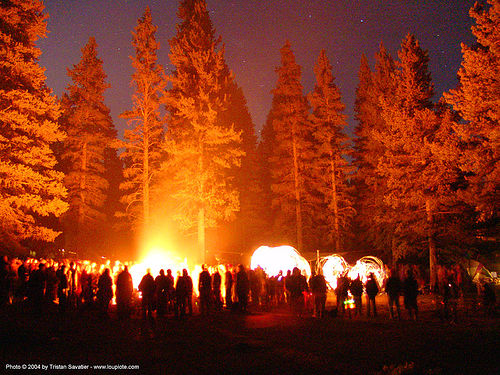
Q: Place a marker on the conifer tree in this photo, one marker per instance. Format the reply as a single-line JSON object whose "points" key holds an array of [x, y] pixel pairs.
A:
{"points": [[331, 144], [90, 130], [30, 187], [143, 142], [291, 148], [375, 217], [201, 149], [477, 102], [418, 181]]}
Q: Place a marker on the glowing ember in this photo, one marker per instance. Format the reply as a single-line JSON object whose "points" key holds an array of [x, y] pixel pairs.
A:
{"points": [[282, 258], [333, 266]]}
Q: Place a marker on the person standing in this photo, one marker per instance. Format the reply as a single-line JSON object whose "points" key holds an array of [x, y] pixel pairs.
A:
{"points": [[205, 289], [62, 288], [124, 292], [371, 292], [147, 288], [410, 292], [229, 287], [242, 287], [216, 286], [393, 290], [317, 285], [357, 292], [104, 292]]}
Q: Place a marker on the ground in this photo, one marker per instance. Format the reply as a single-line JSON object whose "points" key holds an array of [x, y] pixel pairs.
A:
{"points": [[255, 343]]}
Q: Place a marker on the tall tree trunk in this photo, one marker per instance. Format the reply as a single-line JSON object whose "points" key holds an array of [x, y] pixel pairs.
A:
{"points": [[336, 226], [145, 178], [432, 244], [201, 235], [81, 211], [298, 211]]}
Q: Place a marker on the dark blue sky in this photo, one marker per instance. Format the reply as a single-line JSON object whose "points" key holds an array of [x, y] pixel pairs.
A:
{"points": [[253, 31]]}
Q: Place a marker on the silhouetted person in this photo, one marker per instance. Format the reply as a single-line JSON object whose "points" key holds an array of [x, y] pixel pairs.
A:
{"points": [[124, 292], [205, 289], [297, 285], [371, 292], [410, 292], [229, 287], [162, 292], [183, 293], [22, 281], [4, 281], [51, 286], [104, 291], [170, 291], [62, 288], [242, 287], [393, 289], [216, 286], [342, 292], [36, 288], [147, 288], [73, 285], [356, 289], [317, 285]]}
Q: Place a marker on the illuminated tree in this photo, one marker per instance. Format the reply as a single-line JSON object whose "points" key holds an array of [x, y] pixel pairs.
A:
{"points": [[201, 149], [331, 144], [142, 154], [91, 133], [477, 102], [418, 178], [375, 218], [30, 188], [291, 146]]}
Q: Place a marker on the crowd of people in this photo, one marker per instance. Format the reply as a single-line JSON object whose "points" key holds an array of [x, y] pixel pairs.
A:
{"points": [[81, 286]]}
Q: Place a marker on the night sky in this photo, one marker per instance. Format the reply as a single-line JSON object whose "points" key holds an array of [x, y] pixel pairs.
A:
{"points": [[253, 31]]}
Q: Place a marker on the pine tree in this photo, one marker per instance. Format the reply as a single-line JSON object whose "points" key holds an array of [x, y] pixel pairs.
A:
{"points": [[90, 130], [30, 187], [418, 181], [374, 217], [143, 142], [201, 150], [477, 102], [330, 167], [291, 149]]}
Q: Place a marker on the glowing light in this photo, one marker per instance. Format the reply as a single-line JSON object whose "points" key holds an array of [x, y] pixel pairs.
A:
{"points": [[333, 266], [282, 258], [367, 265]]}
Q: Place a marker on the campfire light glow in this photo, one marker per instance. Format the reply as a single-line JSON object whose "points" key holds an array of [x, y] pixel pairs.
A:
{"points": [[282, 258]]}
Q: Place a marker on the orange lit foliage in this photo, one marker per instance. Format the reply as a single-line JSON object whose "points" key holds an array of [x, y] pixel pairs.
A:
{"points": [[374, 215], [477, 102], [201, 150], [329, 167], [289, 151], [30, 188], [418, 177], [90, 130], [142, 154]]}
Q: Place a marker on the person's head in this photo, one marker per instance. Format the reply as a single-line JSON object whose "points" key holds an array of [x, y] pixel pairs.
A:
{"points": [[184, 272], [106, 271], [204, 267], [162, 272], [41, 266], [169, 272]]}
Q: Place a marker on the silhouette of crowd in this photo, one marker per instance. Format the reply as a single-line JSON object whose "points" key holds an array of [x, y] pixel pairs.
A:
{"points": [[83, 286]]}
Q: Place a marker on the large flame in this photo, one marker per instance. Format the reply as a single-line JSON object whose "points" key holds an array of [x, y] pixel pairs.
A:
{"points": [[333, 266], [274, 260]]}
